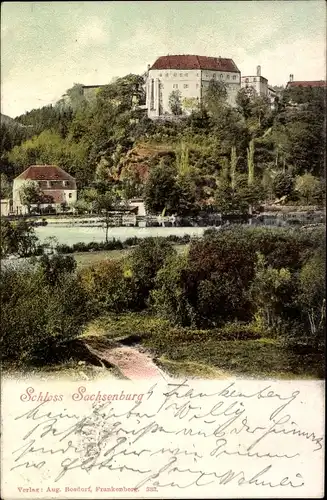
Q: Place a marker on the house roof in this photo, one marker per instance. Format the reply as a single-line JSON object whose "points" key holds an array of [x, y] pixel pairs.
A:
{"points": [[45, 173], [314, 83], [57, 196], [195, 62]]}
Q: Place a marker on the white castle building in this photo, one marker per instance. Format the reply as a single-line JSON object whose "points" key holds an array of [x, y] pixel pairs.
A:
{"points": [[257, 82], [260, 85], [190, 76]]}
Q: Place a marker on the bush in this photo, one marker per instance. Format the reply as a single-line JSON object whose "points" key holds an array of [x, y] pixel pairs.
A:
{"points": [[108, 287], [168, 297], [146, 260], [219, 282], [56, 266], [36, 317], [17, 237]]}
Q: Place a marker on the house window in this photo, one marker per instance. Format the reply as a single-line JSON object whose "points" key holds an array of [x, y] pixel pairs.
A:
{"points": [[175, 86], [186, 74], [167, 74], [185, 86], [175, 74], [254, 79], [70, 195], [221, 76], [234, 77], [160, 75], [246, 80], [197, 85], [214, 76], [228, 77]]}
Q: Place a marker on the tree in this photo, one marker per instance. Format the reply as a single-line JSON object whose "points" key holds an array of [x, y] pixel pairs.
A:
{"points": [[5, 187], [146, 260], [283, 184], [76, 96], [215, 98], [175, 102], [308, 188], [268, 291], [312, 297], [17, 238], [161, 190], [30, 194], [56, 266], [104, 204], [243, 101]]}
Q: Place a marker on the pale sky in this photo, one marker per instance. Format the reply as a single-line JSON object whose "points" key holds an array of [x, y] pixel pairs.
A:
{"points": [[46, 47]]}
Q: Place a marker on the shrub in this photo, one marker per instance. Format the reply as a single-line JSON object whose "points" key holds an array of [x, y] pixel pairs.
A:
{"points": [[312, 298], [56, 266], [64, 248], [36, 317], [17, 237], [219, 280], [146, 260], [108, 288], [168, 297], [271, 290]]}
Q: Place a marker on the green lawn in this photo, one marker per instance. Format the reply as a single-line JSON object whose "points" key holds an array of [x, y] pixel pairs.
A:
{"points": [[88, 258], [209, 353]]}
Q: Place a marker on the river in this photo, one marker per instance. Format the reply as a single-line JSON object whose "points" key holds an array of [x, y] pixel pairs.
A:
{"points": [[86, 234]]}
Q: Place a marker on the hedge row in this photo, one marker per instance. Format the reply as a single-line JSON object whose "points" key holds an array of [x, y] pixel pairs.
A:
{"points": [[114, 244]]}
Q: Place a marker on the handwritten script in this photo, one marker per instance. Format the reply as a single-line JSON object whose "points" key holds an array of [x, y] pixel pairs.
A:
{"points": [[176, 438]]}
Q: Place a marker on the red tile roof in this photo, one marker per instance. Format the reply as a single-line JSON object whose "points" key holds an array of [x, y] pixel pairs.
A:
{"points": [[57, 196], [195, 62], [45, 173], [316, 83]]}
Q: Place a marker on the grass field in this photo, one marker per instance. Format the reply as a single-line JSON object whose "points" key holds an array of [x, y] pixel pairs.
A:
{"points": [[88, 258], [208, 353]]}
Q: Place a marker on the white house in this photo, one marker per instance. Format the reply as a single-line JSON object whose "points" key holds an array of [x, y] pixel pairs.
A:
{"points": [[257, 82], [5, 206], [190, 75], [57, 186], [138, 205]]}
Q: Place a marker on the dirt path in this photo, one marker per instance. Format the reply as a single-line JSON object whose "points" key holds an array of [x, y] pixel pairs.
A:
{"points": [[131, 362]]}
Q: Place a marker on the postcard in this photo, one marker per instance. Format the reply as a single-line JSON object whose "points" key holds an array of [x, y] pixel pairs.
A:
{"points": [[162, 250]]}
